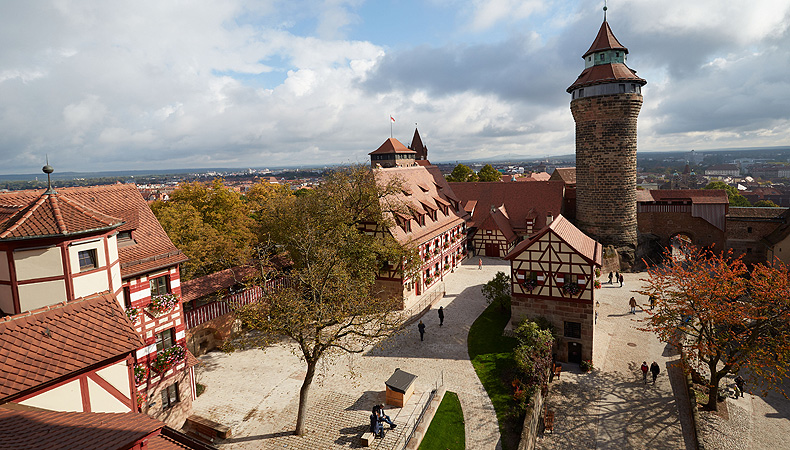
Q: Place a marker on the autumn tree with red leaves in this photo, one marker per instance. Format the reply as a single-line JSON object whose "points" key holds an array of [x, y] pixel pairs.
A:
{"points": [[721, 316]]}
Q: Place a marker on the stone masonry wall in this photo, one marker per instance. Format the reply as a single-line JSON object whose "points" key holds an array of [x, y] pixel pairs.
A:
{"points": [[606, 167], [557, 312], [666, 225]]}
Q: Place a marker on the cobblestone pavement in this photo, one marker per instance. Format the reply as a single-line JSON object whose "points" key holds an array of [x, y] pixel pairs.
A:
{"points": [[611, 407], [255, 392]]}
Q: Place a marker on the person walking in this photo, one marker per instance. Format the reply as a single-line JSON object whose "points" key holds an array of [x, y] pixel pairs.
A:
{"points": [[644, 371], [421, 327], [621, 280], [741, 383], [480, 264], [441, 315], [652, 302], [632, 304], [616, 277], [654, 369], [610, 277]]}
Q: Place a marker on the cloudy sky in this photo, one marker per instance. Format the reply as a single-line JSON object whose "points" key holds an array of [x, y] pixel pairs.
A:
{"points": [[109, 85]]}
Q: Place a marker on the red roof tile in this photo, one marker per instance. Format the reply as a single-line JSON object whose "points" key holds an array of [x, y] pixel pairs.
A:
{"points": [[391, 145], [54, 215], [696, 196], [215, 282], [151, 250], [605, 40], [586, 246], [520, 199], [432, 186], [55, 341], [39, 429], [605, 73], [566, 174]]}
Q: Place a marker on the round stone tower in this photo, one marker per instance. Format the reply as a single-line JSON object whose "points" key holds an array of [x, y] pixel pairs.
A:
{"points": [[605, 102]]}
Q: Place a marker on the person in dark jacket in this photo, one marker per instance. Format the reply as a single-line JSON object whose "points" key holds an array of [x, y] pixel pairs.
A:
{"points": [[621, 280], [739, 381], [421, 327], [610, 277], [375, 426], [644, 370], [441, 315], [654, 369]]}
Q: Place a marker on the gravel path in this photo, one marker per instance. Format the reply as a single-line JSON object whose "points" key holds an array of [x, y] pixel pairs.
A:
{"points": [[255, 392]]}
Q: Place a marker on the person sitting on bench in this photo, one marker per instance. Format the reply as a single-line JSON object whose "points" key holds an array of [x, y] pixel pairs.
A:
{"points": [[375, 426], [378, 410]]}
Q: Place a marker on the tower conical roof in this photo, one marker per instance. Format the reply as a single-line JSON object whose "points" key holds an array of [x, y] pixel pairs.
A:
{"points": [[418, 146], [605, 41]]}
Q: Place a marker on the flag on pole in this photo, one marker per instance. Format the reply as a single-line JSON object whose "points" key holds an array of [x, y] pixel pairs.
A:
{"points": [[392, 119]]}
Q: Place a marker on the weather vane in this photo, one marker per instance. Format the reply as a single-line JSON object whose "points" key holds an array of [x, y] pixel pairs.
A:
{"points": [[604, 10]]}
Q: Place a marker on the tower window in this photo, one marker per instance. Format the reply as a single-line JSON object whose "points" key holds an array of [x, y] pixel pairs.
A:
{"points": [[87, 259], [589, 58], [622, 89], [616, 53]]}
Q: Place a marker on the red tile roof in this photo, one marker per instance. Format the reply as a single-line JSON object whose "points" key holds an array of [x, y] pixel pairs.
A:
{"points": [[391, 145], [696, 196], [215, 282], [52, 214], [433, 189], [566, 174], [605, 40], [586, 246], [151, 250], [39, 429], [498, 220], [606, 73], [55, 341], [521, 200]]}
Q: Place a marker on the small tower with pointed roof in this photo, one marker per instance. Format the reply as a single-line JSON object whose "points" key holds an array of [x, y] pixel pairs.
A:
{"points": [[605, 101], [418, 146], [392, 154]]}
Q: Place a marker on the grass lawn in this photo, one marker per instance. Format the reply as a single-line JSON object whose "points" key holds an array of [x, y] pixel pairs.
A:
{"points": [[447, 427], [492, 357]]}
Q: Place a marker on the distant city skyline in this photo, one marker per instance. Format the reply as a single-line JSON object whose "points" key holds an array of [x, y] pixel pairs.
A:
{"points": [[158, 85]]}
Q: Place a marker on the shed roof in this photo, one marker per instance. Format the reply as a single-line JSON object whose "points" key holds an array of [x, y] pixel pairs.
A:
{"points": [[57, 340]]}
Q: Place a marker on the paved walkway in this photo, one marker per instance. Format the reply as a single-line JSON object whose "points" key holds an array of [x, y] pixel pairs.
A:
{"points": [[612, 408], [255, 392]]}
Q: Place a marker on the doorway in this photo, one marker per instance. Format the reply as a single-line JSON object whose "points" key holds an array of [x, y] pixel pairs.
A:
{"points": [[574, 352]]}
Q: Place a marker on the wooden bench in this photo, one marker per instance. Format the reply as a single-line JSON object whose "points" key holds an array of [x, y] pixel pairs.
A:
{"points": [[557, 370], [367, 439], [548, 421]]}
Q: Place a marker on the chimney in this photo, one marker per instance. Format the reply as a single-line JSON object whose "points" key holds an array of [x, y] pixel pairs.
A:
{"points": [[549, 218]]}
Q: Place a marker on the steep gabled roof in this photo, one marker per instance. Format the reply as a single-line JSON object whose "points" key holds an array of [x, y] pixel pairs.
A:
{"points": [[49, 343], [498, 219], [605, 40], [566, 174], [151, 249], [432, 186], [519, 199], [391, 145], [584, 245], [53, 215]]}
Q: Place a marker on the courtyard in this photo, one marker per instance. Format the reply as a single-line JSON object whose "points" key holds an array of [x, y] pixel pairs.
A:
{"points": [[255, 392]]}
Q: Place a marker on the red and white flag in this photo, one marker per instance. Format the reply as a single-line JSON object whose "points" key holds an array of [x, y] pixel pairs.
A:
{"points": [[392, 119]]}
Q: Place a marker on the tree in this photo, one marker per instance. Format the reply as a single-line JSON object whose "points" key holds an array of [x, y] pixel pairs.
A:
{"points": [[498, 290], [462, 173], [721, 319], [211, 224], [488, 173], [735, 198], [330, 305], [766, 204], [533, 359]]}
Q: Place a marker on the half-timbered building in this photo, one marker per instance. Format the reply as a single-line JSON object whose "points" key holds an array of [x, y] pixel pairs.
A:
{"points": [[60, 245], [432, 220], [505, 213], [553, 276]]}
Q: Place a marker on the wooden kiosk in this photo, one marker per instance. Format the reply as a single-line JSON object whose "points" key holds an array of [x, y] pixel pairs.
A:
{"points": [[400, 386]]}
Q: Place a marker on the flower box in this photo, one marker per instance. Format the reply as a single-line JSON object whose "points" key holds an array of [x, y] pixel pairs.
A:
{"points": [[162, 303], [529, 285], [140, 373], [133, 313], [167, 358], [572, 288]]}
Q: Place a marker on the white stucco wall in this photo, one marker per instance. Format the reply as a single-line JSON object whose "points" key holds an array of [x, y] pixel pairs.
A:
{"points": [[92, 283], [6, 299], [62, 398], [103, 401], [38, 263], [5, 271], [36, 295], [74, 249]]}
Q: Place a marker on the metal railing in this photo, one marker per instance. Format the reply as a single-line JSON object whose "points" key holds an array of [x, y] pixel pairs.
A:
{"points": [[211, 311], [413, 428]]}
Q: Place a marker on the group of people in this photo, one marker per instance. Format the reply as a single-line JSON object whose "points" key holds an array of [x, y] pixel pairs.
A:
{"points": [[377, 419], [618, 277], [654, 369]]}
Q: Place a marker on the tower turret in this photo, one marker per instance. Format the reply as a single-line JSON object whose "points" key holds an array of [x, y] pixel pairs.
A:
{"points": [[605, 102]]}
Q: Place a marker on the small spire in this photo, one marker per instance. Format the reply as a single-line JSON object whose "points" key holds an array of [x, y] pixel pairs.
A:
{"points": [[604, 10], [47, 169]]}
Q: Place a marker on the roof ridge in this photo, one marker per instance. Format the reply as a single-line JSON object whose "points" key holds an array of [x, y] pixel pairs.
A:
{"points": [[55, 205]]}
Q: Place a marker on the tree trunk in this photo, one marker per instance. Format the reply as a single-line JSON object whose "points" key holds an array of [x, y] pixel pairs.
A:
{"points": [[301, 416], [713, 393]]}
